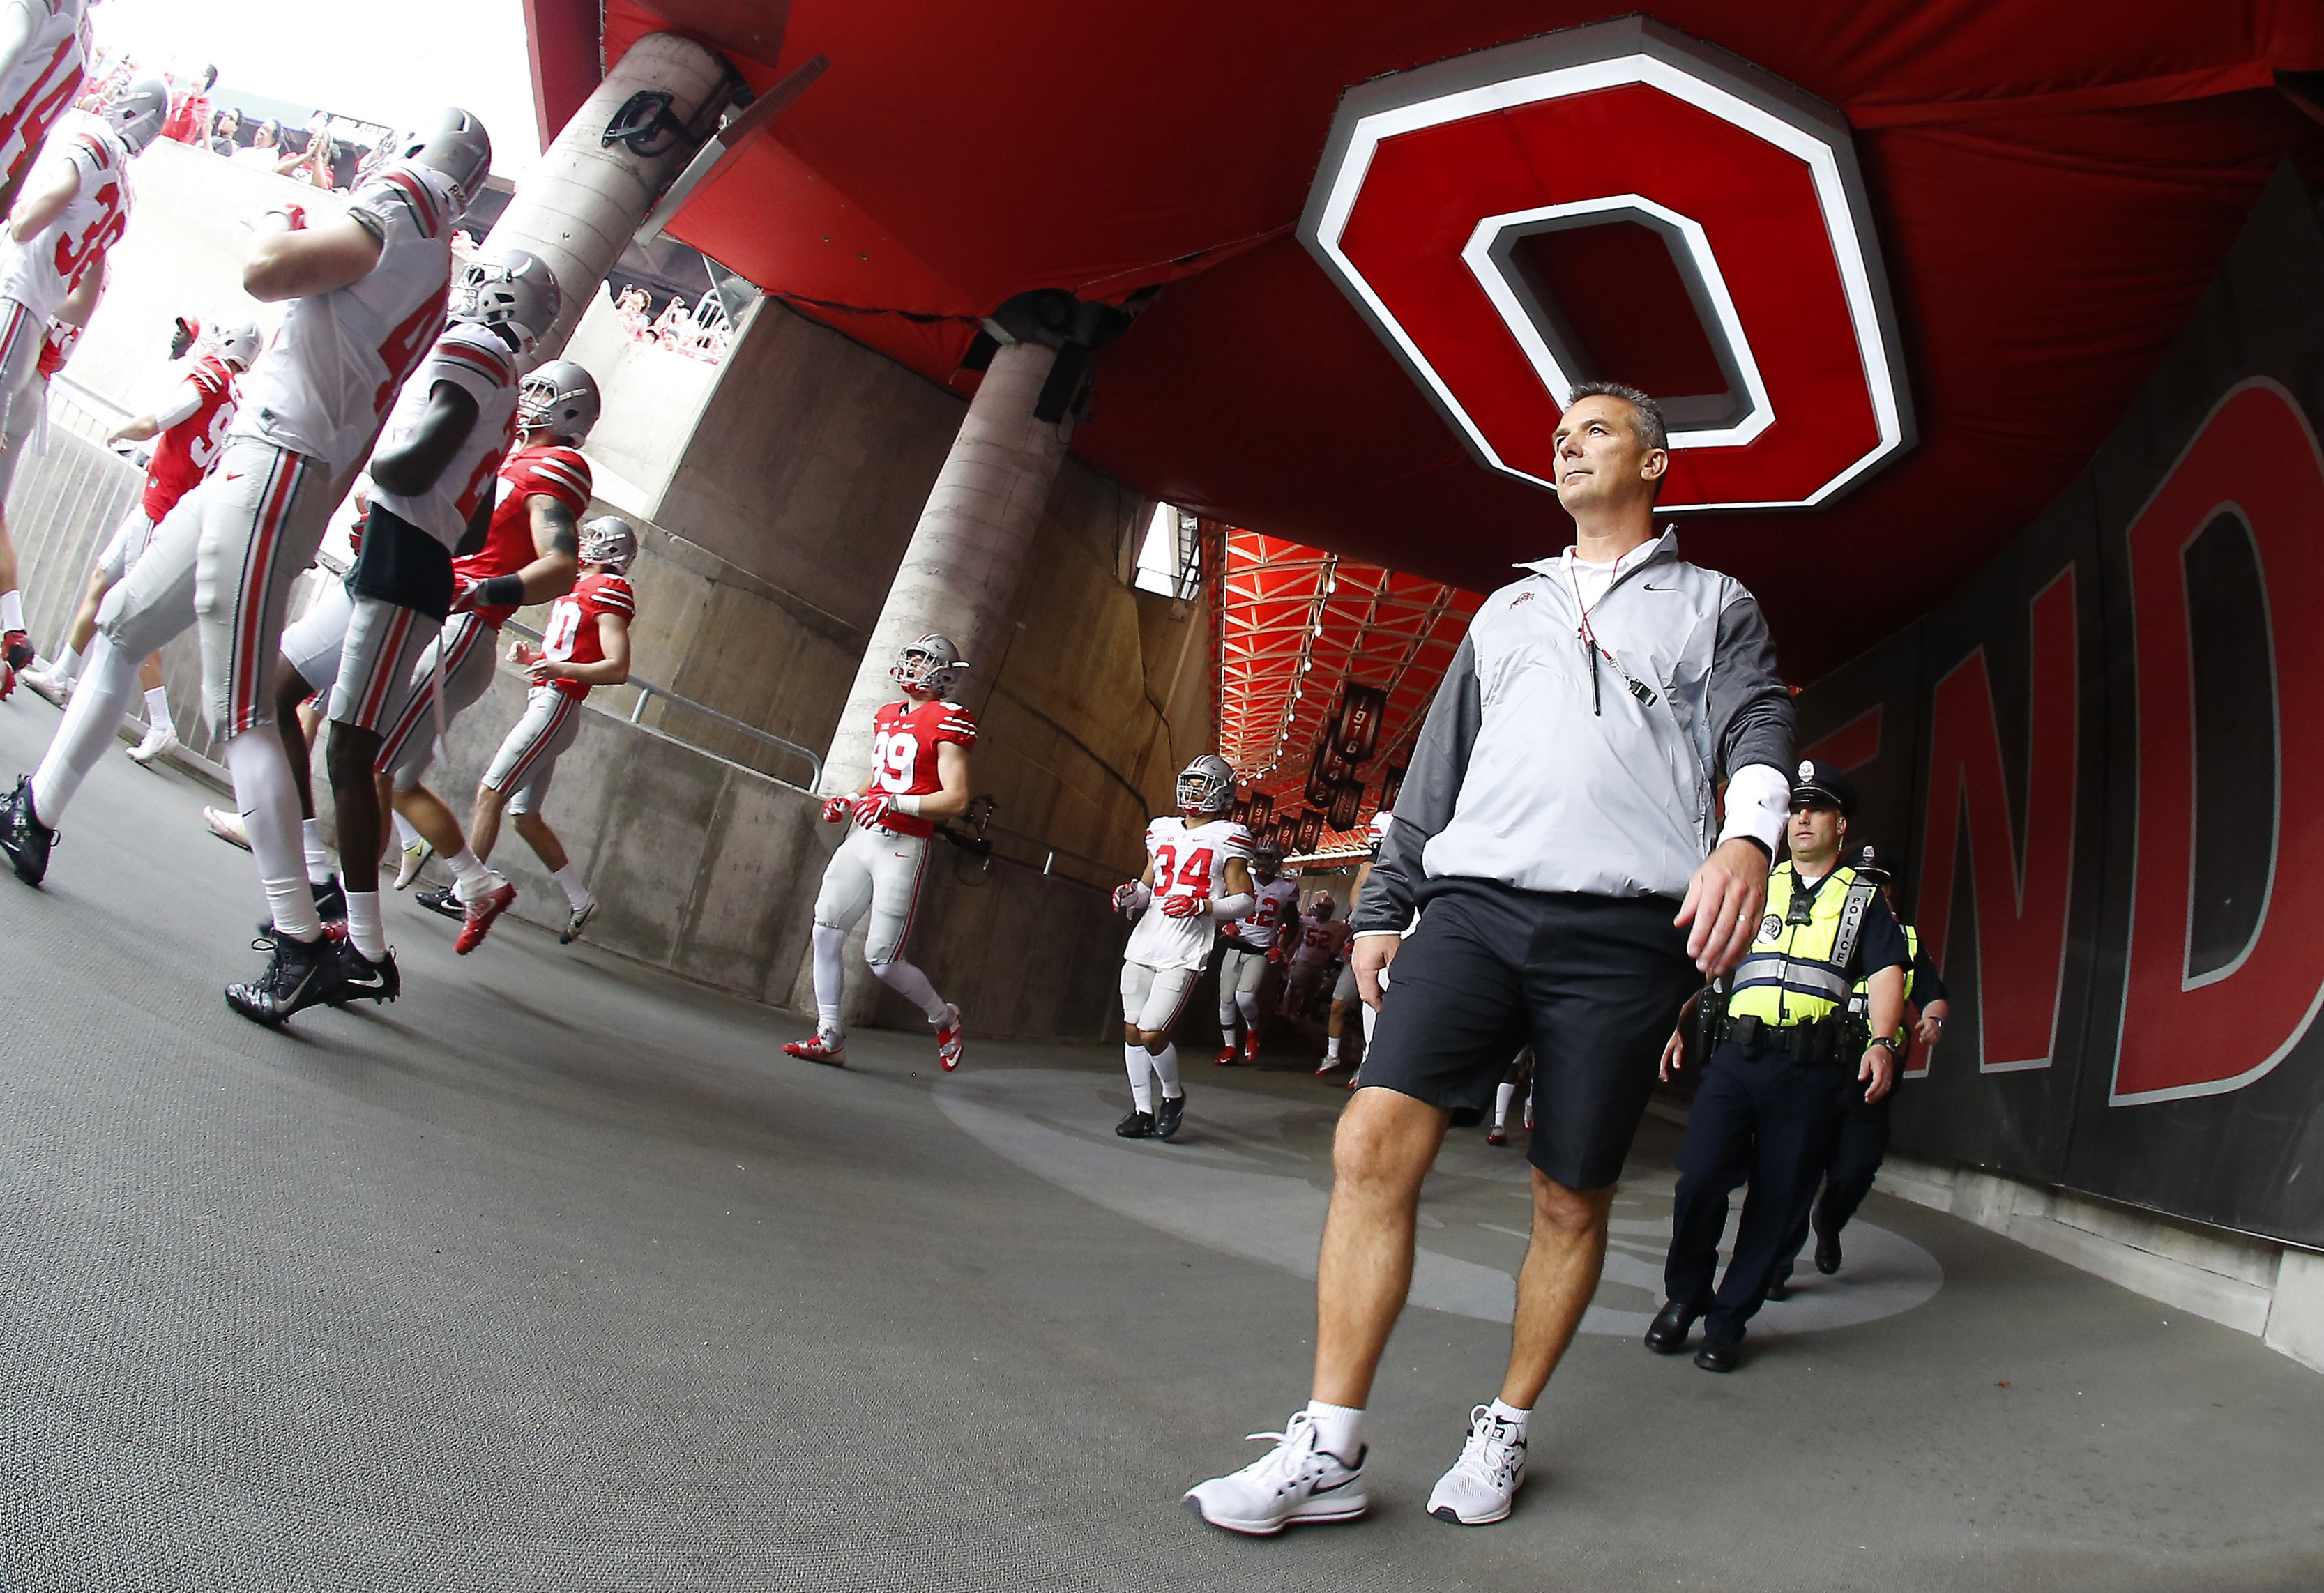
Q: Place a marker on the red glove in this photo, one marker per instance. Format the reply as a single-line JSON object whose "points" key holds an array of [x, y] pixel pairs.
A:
{"points": [[465, 589], [1185, 907], [1125, 897], [1275, 954], [871, 807], [834, 808], [295, 213]]}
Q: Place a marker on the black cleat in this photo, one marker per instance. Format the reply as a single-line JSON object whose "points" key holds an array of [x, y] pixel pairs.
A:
{"points": [[23, 836], [1672, 1324], [1136, 1126], [443, 902], [330, 900], [1719, 1355], [299, 974], [362, 980], [1167, 1120]]}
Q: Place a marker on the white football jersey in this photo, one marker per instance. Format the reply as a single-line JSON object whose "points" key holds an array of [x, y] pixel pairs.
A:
{"points": [[1188, 860], [479, 361], [1278, 904], [38, 274], [326, 383], [38, 86]]}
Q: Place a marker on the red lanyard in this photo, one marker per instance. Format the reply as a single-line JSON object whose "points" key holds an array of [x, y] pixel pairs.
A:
{"points": [[1592, 648]]}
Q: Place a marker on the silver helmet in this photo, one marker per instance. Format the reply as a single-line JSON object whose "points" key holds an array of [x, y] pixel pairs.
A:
{"points": [[610, 540], [136, 113], [510, 288], [1207, 784], [237, 342], [454, 145], [1267, 859], [557, 397], [932, 663]]}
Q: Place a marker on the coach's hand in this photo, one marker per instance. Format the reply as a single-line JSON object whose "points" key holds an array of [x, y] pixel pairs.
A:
{"points": [[1673, 1053], [1369, 956], [1723, 902]]}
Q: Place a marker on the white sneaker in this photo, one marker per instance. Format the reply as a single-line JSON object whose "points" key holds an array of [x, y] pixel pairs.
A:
{"points": [[1292, 1481], [43, 679], [1476, 1491], [227, 826], [576, 920], [415, 858], [160, 740]]}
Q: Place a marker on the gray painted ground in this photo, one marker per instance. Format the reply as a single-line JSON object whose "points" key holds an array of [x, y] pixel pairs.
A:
{"points": [[556, 1275]]}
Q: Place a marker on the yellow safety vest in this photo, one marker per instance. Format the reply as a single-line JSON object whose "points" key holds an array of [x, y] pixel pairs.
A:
{"points": [[1859, 999], [1797, 974]]}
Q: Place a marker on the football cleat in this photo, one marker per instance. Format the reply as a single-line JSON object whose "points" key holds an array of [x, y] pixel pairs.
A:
{"points": [[1250, 1046], [16, 648], [362, 980], [1167, 1119], [1498, 1134], [415, 858], [1476, 1491], [1228, 1058], [480, 914], [577, 921], [1294, 1481], [330, 900], [160, 742], [227, 826], [949, 1040], [48, 683], [298, 975], [23, 836], [830, 1049], [442, 901], [1136, 1126], [1331, 1064]]}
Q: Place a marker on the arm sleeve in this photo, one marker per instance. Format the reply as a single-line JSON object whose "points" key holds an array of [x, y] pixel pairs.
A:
{"points": [[1759, 800], [1751, 707], [184, 400], [1432, 788], [1928, 984]]}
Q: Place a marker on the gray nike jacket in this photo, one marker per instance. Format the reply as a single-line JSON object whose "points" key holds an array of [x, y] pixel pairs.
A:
{"points": [[1531, 773]]}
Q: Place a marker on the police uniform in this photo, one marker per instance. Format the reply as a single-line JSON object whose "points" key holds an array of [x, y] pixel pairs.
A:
{"points": [[1766, 1107]]}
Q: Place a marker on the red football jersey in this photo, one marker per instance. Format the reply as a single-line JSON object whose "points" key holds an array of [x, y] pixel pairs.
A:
{"points": [[904, 741], [547, 470], [571, 637], [188, 449]]}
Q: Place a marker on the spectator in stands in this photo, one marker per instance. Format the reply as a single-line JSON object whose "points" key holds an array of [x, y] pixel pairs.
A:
{"points": [[313, 163], [668, 325], [265, 146], [225, 131], [190, 111]]}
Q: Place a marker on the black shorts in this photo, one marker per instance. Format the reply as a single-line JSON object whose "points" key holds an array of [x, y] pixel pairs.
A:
{"points": [[1594, 983]]}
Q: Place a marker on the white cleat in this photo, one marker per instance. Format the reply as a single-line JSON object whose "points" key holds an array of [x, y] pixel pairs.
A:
{"points": [[44, 679], [949, 1045], [577, 921], [1476, 1491], [1294, 1481], [160, 741], [415, 858], [227, 826]]}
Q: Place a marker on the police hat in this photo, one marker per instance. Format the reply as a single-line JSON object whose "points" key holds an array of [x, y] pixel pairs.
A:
{"points": [[1879, 867], [1820, 784]]}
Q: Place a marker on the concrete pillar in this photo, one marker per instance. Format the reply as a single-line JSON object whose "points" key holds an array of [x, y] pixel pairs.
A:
{"points": [[959, 574], [585, 199]]}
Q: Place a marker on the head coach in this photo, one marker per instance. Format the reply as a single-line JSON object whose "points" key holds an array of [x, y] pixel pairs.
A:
{"points": [[1558, 832]]}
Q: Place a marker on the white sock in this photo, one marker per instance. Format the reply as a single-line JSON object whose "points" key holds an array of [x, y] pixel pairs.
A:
{"points": [[576, 895], [156, 708], [365, 928], [86, 731], [1503, 1093], [67, 665], [1331, 1048], [830, 975], [470, 880], [1339, 1429], [910, 984], [1166, 1068], [318, 856], [1141, 1074], [12, 609], [270, 815], [1511, 1414], [406, 837]]}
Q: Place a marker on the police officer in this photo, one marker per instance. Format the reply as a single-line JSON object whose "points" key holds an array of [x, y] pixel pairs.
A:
{"points": [[1779, 1042], [1862, 1137]]}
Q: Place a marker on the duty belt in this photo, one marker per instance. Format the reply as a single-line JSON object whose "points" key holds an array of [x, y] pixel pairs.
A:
{"points": [[1817, 1041]]}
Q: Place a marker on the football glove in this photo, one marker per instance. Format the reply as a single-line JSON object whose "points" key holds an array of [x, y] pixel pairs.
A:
{"points": [[871, 807], [464, 592], [1185, 907], [1125, 897], [834, 808]]}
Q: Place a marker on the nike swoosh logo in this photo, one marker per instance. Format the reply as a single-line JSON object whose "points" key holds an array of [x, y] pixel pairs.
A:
{"points": [[1650, 586], [234, 476]]}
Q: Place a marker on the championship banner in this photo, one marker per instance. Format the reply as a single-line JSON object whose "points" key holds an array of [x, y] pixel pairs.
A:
{"points": [[1356, 732], [1391, 787], [1347, 805], [1259, 811], [1310, 833]]}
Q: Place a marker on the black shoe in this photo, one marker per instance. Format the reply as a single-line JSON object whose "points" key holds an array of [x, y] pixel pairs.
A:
{"points": [[299, 974], [362, 980], [23, 836], [1827, 1253], [330, 901], [1136, 1126], [442, 901], [1719, 1355], [1672, 1324], [1779, 1287], [1167, 1120]]}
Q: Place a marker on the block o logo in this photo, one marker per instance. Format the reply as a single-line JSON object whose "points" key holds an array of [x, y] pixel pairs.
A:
{"points": [[1621, 201]]}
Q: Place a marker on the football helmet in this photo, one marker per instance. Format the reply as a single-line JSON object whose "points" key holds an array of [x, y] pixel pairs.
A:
{"points": [[1266, 861], [610, 540], [136, 113], [1206, 786], [933, 664], [454, 145], [561, 398], [238, 343], [510, 288]]}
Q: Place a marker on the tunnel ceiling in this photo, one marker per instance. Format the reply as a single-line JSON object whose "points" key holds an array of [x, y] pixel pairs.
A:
{"points": [[2047, 187]]}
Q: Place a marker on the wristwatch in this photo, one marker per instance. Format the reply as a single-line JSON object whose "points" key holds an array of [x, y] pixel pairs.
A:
{"points": [[1890, 1042]]}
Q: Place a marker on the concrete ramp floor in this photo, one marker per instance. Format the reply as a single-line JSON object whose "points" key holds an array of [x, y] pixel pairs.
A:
{"points": [[556, 1275]]}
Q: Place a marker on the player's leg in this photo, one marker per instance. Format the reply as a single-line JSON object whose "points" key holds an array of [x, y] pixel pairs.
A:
{"points": [[458, 667], [1231, 958], [112, 563], [1166, 1000], [527, 750], [20, 332], [309, 668], [1137, 985], [1245, 996], [897, 868], [383, 644], [524, 812], [161, 735], [1344, 998], [839, 906]]}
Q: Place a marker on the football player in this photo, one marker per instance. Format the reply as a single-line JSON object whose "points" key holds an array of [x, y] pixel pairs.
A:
{"points": [[1322, 941], [1197, 875], [1519, 1076], [431, 479], [44, 54], [191, 425], [367, 283], [919, 774], [56, 236], [1251, 944], [587, 644], [25, 430], [530, 554]]}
